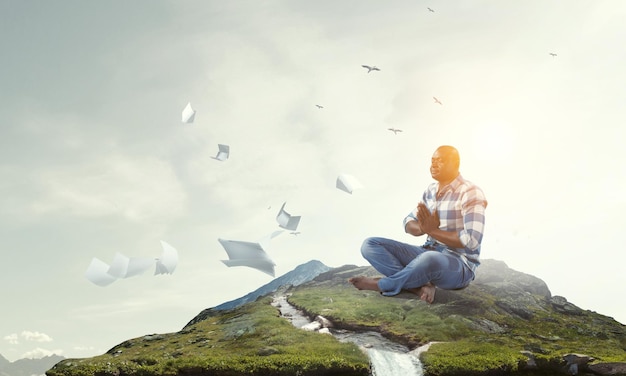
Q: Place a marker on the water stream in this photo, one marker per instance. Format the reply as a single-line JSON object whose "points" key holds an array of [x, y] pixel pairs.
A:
{"points": [[386, 357]]}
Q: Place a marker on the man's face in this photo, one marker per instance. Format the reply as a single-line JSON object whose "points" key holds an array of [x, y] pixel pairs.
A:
{"points": [[442, 167]]}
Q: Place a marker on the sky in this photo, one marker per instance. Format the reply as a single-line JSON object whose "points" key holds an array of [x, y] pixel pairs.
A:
{"points": [[94, 157]]}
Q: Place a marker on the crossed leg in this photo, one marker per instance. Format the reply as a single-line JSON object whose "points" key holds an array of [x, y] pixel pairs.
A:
{"points": [[365, 283], [426, 292]]}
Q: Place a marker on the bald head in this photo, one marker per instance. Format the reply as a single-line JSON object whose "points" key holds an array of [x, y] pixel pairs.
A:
{"points": [[444, 166], [450, 153]]}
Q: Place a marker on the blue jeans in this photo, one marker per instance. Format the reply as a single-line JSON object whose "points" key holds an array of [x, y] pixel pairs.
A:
{"points": [[410, 266]]}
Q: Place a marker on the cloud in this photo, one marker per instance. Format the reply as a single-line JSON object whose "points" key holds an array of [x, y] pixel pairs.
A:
{"points": [[39, 353], [35, 336], [12, 339], [84, 348], [137, 188]]}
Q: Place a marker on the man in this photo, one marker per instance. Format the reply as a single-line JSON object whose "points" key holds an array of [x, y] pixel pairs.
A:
{"points": [[452, 215]]}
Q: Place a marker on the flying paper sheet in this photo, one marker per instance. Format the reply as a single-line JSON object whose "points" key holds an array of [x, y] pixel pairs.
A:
{"points": [[248, 254], [168, 260], [286, 220], [223, 153], [97, 273], [138, 266], [266, 267], [265, 241], [188, 114], [103, 274], [348, 183], [119, 266], [124, 267]]}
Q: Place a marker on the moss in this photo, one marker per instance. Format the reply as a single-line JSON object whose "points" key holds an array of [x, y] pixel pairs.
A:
{"points": [[469, 348], [229, 343], [482, 334], [467, 357], [409, 320]]}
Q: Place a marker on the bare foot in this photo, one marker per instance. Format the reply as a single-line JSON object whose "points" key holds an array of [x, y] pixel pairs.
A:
{"points": [[365, 283], [426, 292]]}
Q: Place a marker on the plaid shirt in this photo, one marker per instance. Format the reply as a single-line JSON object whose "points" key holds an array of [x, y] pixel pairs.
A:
{"points": [[461, 207]]}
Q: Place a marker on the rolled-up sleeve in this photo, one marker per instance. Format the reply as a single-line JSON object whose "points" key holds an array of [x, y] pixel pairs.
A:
{"points": [[412, 216], [473, 211]]}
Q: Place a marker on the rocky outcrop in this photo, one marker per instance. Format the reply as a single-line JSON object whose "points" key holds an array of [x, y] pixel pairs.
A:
{"points": [[613, 368]]}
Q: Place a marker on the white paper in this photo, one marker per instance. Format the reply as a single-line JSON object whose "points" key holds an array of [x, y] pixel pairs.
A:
{"points": [[119, 266], [348, 183], [223, 153], [252, 255], [188, 114], [97, 273], [137, 266], [286, 220], [168, 260]]}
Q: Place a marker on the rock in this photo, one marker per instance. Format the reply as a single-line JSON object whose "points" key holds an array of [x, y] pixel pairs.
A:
{"points": [[497, 274], [325, 331], [153, 337], [574, 362], [324, 322], [531, 363], [267, 351], [312, 326], [615, 368], [577, 358], [561, 305]]}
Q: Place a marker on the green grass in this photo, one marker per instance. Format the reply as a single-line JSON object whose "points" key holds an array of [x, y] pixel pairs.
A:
{"points": [[466, 350], [252, 340], [411, 319], [468, 357]]}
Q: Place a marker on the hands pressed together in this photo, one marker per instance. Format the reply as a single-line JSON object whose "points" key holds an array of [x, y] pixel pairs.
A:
{"points": [[428, 221]]}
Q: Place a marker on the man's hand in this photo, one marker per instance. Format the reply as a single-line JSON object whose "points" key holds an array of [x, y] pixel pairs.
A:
{"points": [[427, 221]]}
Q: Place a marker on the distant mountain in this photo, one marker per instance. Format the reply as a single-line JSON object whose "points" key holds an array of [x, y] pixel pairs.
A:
{"points": [[3, 361], [28, 367], [301, 274]]}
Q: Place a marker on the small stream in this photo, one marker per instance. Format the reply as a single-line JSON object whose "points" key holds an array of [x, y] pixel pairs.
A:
{"points": [[386, 358]]}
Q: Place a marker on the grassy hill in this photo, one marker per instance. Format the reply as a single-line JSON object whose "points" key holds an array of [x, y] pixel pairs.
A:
{"points": [[506, 322]]}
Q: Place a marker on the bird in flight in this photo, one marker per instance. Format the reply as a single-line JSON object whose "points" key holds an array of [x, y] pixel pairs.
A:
{"points": [[319, 106], [295, 232], [369, 69], [437, 100], [552, 54], [430, 10], [395, 130]]}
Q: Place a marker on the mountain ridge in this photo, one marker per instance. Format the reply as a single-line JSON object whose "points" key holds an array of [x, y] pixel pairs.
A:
{"points": [[27, 366], [300, 274]]}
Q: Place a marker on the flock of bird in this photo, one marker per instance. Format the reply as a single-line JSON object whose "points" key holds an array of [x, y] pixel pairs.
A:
{"points": [[375, 68], [241, 253], [253, 254]]}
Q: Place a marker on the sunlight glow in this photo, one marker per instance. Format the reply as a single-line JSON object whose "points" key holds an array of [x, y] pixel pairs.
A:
{"points": [[494, 143]]}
